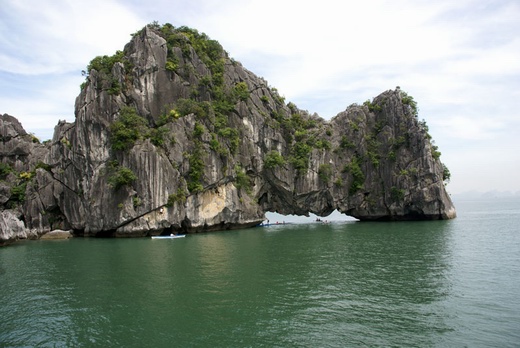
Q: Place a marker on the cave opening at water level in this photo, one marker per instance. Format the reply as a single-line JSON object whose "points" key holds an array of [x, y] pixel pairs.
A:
{"points": [[335, 216]]}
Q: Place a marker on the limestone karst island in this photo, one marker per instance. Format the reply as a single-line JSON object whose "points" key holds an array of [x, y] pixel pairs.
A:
{"points": [[172, 135]]}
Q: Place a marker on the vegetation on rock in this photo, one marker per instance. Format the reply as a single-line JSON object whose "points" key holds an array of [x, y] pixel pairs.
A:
{"points": [[120, 176], [178, 197], [5, 169], [408, 100], [273, 159], [358, 177], [127, 129]]}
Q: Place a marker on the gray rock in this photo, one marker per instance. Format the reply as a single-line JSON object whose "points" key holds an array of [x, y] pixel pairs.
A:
{"points": [[56, 234], [5, 192], [12, 227], [228, 160]]}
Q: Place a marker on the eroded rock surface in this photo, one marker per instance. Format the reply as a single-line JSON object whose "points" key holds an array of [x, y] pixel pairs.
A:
{"points": [[173, 135]]}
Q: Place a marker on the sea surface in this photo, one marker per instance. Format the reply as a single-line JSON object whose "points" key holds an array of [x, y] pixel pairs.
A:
{"points": [[343, 284]]}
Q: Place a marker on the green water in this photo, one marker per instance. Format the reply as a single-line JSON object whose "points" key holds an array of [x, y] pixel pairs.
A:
{"points": [[409, 284]]}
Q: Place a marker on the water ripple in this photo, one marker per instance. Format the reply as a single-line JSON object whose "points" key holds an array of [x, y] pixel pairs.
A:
{"points": [[432, 284]]}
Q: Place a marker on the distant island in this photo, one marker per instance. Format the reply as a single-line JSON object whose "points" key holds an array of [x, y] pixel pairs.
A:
{"points": [[493, 194], [173, 135]]}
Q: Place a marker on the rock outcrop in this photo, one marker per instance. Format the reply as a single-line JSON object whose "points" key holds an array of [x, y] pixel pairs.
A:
{"points": [[56, 235], [21, 159], [173, 135]]}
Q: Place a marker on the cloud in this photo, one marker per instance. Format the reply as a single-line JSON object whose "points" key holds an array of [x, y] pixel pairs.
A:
{"points": [[482, 166], [465, 128], [55, 36], [39, 101]]}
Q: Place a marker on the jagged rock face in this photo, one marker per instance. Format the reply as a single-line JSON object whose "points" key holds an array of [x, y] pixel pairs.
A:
{"points": [[175, 136], [12, 227], [16, 146], [27, 186], [403, 177]]}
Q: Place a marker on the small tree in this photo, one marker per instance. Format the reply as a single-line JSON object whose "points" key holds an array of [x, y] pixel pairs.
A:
{"points": [[358, 177], [446, 175], [5, 169], [179, 196], [241, 91], [121, 176], [127, 129], [241, 179], [273, 159], [325, 172]]}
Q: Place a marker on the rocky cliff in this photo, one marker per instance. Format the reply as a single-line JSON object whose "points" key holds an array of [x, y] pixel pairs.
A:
{"points": [[173, 135]]}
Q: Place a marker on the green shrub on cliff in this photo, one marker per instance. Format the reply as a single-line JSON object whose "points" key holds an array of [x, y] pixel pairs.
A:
{"points": [[127, 129], [120, 176], [178, 197], [408, 100], [232, 135], [241, 91], [158, 136], [323, 144], [5, 169], [198, 130], [241, 179], [196, 170], [209, 51], [18, 193], [185, 107], [346, 143], [358, 177], [300, 154], [104, 64], [273, 159], [172, 64], [372, 107], [397, 194], [435, 151], [446, 175], [325, 172]]}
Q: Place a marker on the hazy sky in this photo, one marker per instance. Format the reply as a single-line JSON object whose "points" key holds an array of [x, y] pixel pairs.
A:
{"points": [[460, 60]]}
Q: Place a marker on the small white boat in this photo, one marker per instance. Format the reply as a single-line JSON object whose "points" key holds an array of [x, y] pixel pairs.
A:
{"points": [[172, 236]]}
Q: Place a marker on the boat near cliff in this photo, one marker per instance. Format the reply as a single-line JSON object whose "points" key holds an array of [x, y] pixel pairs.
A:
{"points": [[172, 236]]}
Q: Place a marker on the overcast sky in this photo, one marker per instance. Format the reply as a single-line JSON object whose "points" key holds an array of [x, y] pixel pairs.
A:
{"points": [[460, 60]]}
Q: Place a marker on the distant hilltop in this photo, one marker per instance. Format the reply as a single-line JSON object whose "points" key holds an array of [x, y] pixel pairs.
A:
{"points": [[494, 194], [171, 134]]}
